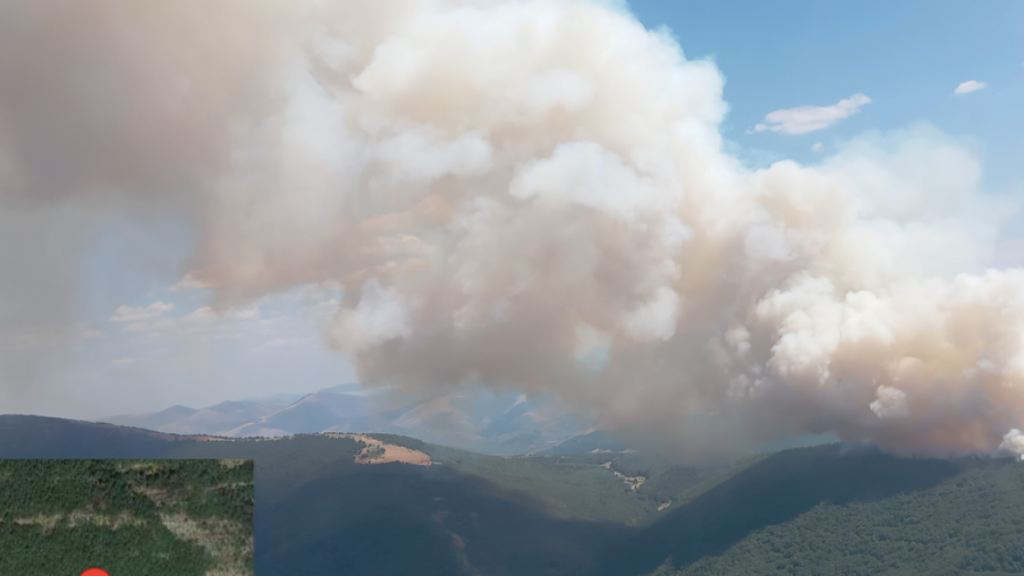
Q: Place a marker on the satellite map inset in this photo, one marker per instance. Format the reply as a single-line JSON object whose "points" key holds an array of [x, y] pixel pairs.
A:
{"points": [[127, 517]]}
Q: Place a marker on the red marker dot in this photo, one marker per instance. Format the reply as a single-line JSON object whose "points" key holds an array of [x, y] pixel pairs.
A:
{"points": [[95, 572]]}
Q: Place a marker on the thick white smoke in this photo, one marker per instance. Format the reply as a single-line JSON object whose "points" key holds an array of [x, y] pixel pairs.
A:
{"points": [[505, 185]]}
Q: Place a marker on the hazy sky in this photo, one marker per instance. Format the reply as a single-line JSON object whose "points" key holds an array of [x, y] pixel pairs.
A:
{"points": [[801, 78]]}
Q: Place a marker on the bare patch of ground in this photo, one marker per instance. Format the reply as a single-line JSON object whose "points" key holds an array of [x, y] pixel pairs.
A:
{"points": [[77, 518], [377, 452], [146, 468], [156, 494], [82, 517], [47, 521], [664, 505], [634, 482], [218, 537], [228, 464]]}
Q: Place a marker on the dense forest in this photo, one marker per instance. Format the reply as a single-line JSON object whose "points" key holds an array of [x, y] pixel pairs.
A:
{"points": [[963, 518], [832, 509], [154, 517]]}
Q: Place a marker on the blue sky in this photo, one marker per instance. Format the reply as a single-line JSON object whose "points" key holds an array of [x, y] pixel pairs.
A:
{"points": [[907, 57]]}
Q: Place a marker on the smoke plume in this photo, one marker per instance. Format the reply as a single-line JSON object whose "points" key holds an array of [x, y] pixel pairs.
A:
{"points": [[509, 189]]}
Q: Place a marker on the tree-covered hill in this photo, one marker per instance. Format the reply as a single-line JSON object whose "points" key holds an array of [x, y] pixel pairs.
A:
{"points": [[964, 517], [824, 510]]}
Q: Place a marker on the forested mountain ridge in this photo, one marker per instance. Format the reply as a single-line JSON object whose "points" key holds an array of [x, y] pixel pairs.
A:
{"points": [[831, 509]]}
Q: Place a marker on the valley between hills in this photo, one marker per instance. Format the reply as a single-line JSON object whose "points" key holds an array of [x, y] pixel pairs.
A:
{"points": [[338, 503]]}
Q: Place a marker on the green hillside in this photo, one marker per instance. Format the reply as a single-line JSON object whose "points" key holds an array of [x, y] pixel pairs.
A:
{"points": [[823, 510], [589, 487], [967, 518]]}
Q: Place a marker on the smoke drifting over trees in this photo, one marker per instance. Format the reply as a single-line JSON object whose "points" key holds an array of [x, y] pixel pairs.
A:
{"points": [[505, 187]]}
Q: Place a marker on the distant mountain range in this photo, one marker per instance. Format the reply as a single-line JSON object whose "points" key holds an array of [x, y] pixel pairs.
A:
{"points": [[479, 420]]}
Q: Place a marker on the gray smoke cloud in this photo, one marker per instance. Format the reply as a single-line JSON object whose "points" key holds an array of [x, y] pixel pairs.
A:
{"points": [[508, 189]]}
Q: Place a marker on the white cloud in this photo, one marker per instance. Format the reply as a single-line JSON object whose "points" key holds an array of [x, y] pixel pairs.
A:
{"points": [[207, 314], [969, 86], [191, 281], [149, 313], [818, 147], [804, 119], [313, 293], [153, 317]]}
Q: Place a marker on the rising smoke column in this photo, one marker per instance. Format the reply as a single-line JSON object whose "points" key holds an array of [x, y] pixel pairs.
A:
{"points": [[505, 187]]}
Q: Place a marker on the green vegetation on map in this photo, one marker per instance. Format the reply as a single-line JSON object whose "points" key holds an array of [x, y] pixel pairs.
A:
{"points": [[129, 517]]}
